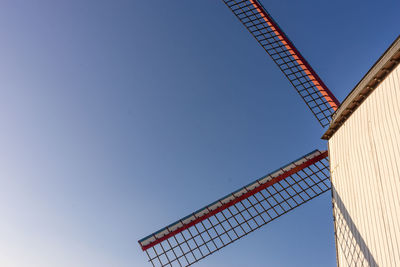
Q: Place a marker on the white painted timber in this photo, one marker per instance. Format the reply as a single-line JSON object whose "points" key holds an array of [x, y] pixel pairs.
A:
{"points": [[365, 170]]}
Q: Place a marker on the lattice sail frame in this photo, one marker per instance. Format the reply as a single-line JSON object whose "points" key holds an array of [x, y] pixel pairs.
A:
{"points": [[307, 83], [226, 220]]}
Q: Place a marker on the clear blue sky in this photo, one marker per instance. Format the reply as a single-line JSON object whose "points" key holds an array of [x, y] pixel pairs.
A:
{"points": [[119, 117]]}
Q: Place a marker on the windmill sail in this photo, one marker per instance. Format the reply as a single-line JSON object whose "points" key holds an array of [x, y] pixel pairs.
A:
{"points": [[310, 87], [226, 220]]}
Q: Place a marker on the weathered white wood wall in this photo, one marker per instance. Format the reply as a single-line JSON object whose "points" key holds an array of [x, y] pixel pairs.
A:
{"points": [[365, 166]]}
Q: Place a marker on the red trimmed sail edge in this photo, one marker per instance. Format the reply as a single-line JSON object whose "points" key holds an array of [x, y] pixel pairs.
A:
{"points": [[325, 92], [209, 213]]}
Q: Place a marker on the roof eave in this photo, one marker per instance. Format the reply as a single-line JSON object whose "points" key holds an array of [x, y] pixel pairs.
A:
{"points": [[384, 65]]}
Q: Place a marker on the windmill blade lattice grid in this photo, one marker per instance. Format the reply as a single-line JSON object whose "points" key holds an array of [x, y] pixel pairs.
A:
{"points": [[307, 83], [260, 203]]}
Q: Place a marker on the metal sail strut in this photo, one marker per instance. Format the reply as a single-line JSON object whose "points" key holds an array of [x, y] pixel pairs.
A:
{"points": [[307, 83], [226, 220]]}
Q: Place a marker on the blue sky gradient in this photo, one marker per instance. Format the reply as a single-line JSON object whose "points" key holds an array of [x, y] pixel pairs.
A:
{"points": [[120, 117]]}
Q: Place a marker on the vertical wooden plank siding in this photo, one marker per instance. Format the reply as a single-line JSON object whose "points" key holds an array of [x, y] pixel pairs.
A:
{"points": [[365, 169]]}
